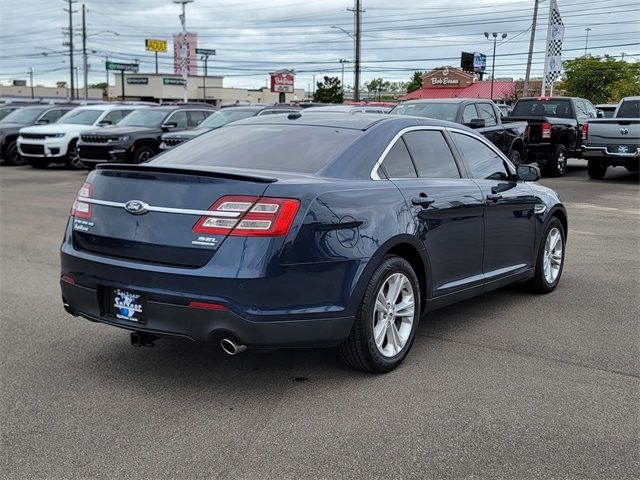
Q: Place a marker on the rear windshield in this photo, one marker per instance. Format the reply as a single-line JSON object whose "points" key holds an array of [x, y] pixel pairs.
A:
{"points": [[542, 108], [629, 109], [437, 110], [287, 148]]}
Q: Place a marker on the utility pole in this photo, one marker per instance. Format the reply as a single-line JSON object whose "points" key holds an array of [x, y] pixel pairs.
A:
{"points": [[525, 89], [622, 55], [586, 42], [31, 80], [71, 12], [84, 54], [358, 34], [184, 47], [342, 62]]}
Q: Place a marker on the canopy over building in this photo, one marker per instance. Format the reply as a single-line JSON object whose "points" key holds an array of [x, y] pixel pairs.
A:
{"points": [[453, 83]]}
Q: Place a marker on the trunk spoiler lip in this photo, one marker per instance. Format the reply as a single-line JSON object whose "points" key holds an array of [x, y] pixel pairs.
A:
{"points": [[219, 172]]}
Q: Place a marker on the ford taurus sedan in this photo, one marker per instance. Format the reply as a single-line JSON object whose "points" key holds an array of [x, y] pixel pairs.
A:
{"points": [[308, 231]]}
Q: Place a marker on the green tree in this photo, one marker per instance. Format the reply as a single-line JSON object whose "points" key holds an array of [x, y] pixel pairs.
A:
{"points": [[328, 91], [377, 86], [416, 81], [600, 79], [102, 85]]}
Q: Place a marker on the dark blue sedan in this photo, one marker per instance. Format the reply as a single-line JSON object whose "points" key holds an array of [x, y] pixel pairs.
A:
{"points": [[307, 231]]}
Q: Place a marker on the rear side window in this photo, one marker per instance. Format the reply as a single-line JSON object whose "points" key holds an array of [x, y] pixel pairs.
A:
{"points": [[484, 163], [488, 114], [287, 148], [431, 154], [397, 163]]}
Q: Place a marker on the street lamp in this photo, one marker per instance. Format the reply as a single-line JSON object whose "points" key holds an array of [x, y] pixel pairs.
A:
{"points": [[183, 48], [493, 68], [355, 55], [586, 41]]}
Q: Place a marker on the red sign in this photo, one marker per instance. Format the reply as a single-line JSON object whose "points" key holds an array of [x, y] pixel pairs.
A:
{"points": [[282, 82]]}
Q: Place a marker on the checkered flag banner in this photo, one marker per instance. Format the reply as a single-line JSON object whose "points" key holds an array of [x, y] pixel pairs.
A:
{"points": [[553, 54]]}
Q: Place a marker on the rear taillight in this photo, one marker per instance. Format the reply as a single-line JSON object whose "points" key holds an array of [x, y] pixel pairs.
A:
{"points": [[546, 131], [585, 132], [82, 209], [249, 216]]}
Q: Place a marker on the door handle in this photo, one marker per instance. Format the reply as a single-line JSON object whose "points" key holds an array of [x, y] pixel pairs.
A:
{"points": [[494, 197], [422, 200]]}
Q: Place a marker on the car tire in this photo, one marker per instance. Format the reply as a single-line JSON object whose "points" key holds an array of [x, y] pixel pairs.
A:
{"points": [[73, 161], [515, 157], [394, 278], [550, 261], [39, 163], [596, 169], [143, 154], [557, 164], [11, 154]]}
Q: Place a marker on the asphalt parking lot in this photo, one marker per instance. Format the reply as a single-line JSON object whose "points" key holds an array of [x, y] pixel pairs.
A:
{"points": [[508, 385]]}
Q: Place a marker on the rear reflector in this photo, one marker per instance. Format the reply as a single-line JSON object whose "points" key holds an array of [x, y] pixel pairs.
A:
{"points": [[68, 279], [546, 131], [249, 216], [207, 306], [82, 209]]}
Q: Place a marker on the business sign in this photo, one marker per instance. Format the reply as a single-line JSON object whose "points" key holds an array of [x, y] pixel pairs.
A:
{"points": [[124, 67], [184, 54], [205, 51], [173, 81], [479, 62], [282, 82], [137, 81], [19, 83], [154, 45]]}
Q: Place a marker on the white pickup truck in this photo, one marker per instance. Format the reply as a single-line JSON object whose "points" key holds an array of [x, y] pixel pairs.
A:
{"points": [[615, 141], [41, 145]]}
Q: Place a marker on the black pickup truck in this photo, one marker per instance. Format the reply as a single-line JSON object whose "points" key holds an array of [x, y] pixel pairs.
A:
{"points": [[557, 128], [481, 115]]}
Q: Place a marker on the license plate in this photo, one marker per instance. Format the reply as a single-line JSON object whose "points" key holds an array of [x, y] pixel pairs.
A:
{"points": [[127, 305], [623, 149]]}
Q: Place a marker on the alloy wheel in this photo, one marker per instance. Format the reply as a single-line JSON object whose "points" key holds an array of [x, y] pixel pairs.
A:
{"points": [[562, 162], [393, 314], [553, 255]]}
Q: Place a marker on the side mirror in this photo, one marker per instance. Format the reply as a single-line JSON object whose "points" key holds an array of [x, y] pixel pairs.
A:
{"points": [[528, 173], [169, 125], [600, 113], [42, 121], [104, 122], [476, 123]]}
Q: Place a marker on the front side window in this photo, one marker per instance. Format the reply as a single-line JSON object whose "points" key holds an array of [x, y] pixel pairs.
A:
{"points": [[115, 116], [469, 113], [397, 163], [53, 115], [488, 114], [196, 117], [484, 163], [431, 154], [180, 119]]}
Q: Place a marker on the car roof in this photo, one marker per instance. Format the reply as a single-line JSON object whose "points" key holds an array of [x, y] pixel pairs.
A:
{"points": [[446, 100], [340, 120]]}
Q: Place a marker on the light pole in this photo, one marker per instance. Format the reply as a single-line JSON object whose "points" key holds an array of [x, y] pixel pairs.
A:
{"points": [[356, 54], [342, 62], [314, 86], [493, 68], [183, 48], [586, 40], [31, 80]]}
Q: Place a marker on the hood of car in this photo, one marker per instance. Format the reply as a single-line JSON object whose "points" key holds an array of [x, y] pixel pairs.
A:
{"points": [[115, 130], [187, 133], [67, 128], [6, 128]]}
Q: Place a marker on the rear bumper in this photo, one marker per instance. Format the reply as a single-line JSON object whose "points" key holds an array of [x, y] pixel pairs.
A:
{"points": [[603, 152], [167, 319]]}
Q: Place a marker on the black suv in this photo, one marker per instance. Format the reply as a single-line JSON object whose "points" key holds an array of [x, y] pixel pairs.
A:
{"points": [[221, 118], [23, 117], [136, 138]]}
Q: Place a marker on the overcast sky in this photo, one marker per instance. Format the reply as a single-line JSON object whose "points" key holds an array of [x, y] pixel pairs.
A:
{"points": [[253, 37]]}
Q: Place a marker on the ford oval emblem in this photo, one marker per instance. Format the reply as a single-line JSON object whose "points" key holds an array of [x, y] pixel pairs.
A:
{"points": [[136, 207]]}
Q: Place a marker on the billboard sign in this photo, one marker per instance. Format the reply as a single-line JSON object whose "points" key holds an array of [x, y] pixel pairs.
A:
{"points": [[173, 81], [205, 51], [155, 45], [282, 82], [137, 81], [124, 67], [479, 62]]}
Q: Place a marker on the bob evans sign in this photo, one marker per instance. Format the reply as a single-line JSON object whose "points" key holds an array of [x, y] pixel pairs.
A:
{"points": [[446, 77], [282, 82]]}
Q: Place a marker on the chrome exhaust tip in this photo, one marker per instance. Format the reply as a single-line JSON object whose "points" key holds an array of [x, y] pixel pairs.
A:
{"points": [[231, 347]]}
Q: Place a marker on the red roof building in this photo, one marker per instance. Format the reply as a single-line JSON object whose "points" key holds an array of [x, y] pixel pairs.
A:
{"points": [[451, 83]]}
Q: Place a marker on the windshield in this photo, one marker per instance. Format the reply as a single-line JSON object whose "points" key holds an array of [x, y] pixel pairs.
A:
{"points": [[24, 115], [6, 111], [81, 117], [542, 108], [439, 111], [144, 118], [223, 117], [287, 148], [629, 109]]}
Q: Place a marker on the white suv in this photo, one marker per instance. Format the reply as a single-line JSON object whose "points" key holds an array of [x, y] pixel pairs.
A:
{"points": [[41, 145]]}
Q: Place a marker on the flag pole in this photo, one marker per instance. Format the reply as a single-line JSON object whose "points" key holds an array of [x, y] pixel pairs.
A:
{"points": [[546, 53]]}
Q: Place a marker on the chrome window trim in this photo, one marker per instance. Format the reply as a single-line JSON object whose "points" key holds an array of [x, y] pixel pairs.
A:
{"points": [[374, 175], [151, 208]]}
